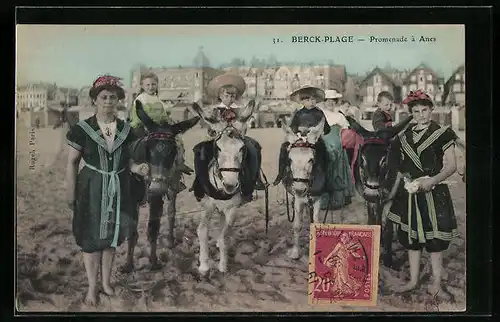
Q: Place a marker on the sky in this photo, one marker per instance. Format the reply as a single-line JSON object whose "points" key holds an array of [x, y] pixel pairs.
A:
{"points": [[74, 55]]}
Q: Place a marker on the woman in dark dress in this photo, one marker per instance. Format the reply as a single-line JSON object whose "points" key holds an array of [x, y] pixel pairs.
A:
{"points": [[104, 214], [423, 207]]}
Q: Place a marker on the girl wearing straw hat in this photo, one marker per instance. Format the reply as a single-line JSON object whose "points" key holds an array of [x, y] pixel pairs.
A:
{"points": [[308, 116]]}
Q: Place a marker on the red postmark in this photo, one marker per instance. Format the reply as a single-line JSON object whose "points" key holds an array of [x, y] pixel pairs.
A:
{"points": [[343, 264]]}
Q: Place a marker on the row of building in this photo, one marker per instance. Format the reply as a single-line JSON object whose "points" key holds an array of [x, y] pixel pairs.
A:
{"points": [[267, 84]]}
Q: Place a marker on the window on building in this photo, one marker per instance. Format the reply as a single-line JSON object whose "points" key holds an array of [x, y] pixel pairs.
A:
{"points": [[457, 76], [369, 90], [457, 87], [430, 88], [429, 77], [414, 78], [385, 88], [196, 75], [421, 78], [413, 87]]}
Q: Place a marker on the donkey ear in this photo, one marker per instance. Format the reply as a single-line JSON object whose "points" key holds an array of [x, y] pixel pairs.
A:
{"points": [[247, 112], [316, 131], [285, 125], [401, 126], [145, 119], [289, 135], [353, 124], [197, 110], [183, 126]]}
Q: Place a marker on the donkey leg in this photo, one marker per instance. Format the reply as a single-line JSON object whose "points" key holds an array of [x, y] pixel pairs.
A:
{"points": [[294, 252], [203, 239], [372, 215], [316, 210], [131, 243], [155, 213], [387, 236], [171, 210], [223, 238]]}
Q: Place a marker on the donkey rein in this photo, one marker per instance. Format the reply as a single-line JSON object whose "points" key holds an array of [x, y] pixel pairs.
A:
{"points": [[266, 198]]}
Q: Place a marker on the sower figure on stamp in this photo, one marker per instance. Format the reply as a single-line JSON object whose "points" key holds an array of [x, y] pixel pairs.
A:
{"points": [[308, 116], [423, 207], [99, 195], [337, 261], [228, 88]]}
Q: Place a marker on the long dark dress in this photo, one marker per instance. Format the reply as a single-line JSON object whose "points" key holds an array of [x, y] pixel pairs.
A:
{"points": [[104, 214], [424, 218], [340, 186]]}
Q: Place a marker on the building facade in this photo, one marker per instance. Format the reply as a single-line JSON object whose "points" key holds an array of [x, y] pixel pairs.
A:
{"points": [[34, 97], [276, 83], [376, 82], [424, 78], [454, 89], [179, 84]]}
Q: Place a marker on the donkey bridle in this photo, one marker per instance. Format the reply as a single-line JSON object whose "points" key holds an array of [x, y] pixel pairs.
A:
{"points": [[377, 141], [302, 144], [163, 136], [239, 136]]}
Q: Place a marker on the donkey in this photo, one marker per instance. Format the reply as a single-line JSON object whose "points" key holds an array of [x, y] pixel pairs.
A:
{"points": [[158, 148], [305, 179], [222, 182], [375, 178]]}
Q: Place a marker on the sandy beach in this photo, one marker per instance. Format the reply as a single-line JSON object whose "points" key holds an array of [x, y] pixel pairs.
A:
{"points": [[51, 276]]}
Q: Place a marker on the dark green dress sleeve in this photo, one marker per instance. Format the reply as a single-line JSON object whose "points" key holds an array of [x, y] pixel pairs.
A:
{"points": [[76, 137]]}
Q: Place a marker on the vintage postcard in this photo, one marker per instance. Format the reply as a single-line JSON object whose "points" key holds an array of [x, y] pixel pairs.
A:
{"points": [[344, 264], [176, 168]]}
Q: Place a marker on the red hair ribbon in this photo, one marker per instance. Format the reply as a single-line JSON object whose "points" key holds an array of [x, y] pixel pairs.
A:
{"points": [[415, 96], [107, 80], [228, 115]]}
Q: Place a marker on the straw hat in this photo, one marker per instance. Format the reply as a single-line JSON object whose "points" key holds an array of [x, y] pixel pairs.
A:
{"points": [[317, 93], [332, 94], [226, 79]]}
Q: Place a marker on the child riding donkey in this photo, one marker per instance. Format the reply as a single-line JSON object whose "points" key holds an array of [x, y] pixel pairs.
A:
{"points": [[228, 88], [308, 116], [159, 113]]}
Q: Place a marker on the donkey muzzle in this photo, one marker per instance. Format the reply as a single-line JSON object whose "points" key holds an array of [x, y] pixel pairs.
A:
{"points": [[157, 186]]}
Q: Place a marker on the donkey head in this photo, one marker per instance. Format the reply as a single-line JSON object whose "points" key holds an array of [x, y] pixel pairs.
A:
{"points": [[372, 158], [229, 146], [302, 154], [159, 148]]}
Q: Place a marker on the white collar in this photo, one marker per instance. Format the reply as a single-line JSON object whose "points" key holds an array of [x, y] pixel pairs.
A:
{"points": [[113, 123]]}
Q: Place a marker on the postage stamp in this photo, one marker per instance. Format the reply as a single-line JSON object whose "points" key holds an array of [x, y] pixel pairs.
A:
{"points": [[344, 264], [133, 152]]}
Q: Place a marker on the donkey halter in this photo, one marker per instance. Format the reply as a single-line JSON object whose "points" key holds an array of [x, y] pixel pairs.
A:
{"points": [[234, 133], [160, 146], [302, 143], [373, 141]]}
